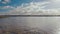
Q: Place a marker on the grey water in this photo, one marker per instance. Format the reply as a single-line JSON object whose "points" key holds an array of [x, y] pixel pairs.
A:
{"points": [[48, 24]]}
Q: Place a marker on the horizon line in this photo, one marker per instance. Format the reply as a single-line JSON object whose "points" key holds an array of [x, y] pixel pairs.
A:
{"points": [[29, 15]]}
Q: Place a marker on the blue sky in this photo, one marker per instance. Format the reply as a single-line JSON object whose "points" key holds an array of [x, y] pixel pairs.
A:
{"points": [[37, 5], [17, 2], [14, 3]]}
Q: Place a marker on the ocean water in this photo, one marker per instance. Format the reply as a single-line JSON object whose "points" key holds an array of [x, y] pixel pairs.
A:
{"points": [[48, 24]]}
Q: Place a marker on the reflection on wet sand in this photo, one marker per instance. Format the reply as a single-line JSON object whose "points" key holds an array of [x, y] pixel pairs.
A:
{"points": [[10, 28], [29, 25], [21, 30]]}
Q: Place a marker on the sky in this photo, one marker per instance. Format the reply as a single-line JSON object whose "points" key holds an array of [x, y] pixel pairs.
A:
{"points": [[29, 7]]}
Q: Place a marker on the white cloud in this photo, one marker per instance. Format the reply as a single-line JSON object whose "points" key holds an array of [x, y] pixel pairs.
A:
{"points": [[50, 7], [7, 7], [28, 9], [54, 4], [55, 0], [6, 1], [34, 8]]}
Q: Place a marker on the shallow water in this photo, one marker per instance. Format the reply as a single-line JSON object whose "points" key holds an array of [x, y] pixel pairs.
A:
{"points": [[48, 24]]}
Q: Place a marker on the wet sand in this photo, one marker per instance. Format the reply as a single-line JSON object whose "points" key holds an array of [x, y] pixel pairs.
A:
{"points": [[29, 25]]}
